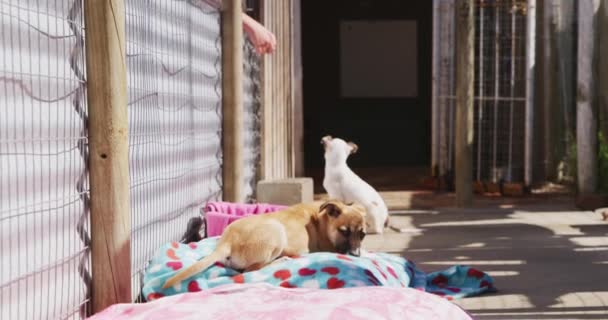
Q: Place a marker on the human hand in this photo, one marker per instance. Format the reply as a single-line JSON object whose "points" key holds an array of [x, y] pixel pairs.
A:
{"points": [[263, 40]]}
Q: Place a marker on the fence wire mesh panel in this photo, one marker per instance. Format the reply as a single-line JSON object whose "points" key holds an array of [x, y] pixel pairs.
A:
{"points": [[174, 79], [500, 84], [44, 217], [252, 126]]}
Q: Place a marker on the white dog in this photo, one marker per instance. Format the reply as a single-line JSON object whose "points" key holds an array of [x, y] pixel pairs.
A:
{"points": [[341, 183]]}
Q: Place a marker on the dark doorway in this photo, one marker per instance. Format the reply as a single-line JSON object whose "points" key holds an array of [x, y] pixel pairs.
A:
{"points": [[367, 78]]}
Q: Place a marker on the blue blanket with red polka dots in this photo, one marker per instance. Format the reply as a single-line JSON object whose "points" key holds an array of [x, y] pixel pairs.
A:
{"points": [[316, 270]]}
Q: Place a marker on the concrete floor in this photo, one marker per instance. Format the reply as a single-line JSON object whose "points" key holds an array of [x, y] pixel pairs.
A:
{"points": [[549, 261]]}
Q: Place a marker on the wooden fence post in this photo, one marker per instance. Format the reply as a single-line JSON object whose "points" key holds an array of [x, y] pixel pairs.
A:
{"points": [[232, 96], [586, 100], [548, 98], [109, 152], [297, 77], [465, 68], [435, 124]]}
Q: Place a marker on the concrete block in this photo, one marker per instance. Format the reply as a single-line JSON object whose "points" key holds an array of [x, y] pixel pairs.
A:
{"points": [[286, 191]]}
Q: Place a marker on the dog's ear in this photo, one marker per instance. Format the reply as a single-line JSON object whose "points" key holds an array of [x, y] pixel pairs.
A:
{"points": [[331, 209], [354, 147]]}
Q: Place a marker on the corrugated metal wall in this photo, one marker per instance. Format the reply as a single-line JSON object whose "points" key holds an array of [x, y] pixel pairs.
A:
{"points": [[44, 257], [175, 102], [278, 93]]}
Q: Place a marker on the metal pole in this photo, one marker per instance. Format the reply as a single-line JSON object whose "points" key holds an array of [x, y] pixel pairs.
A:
{"points": [[530, 87], [548, 93], [496, 91], [481, 91], [512, 95]]}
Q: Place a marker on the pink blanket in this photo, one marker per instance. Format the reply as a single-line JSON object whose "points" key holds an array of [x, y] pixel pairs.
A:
{"points": [[262, 301], [220, 214]]}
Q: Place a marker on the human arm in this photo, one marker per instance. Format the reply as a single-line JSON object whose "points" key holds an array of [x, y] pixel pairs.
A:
{"points": [[262, 39]]}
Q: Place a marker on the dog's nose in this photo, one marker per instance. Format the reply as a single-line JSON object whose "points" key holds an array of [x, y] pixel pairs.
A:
{"points": [[325, 139], [355, 252]]}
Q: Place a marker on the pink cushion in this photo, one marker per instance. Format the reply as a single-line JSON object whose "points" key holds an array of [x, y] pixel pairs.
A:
{"points": [[263, 301], [220, 214]]}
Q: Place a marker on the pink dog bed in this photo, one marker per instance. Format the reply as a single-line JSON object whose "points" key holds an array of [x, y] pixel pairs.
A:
{"points": [[219, 215], [263, 301]]}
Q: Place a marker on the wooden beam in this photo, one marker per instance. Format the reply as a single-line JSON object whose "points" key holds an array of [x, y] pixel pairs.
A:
{"points": [[232, 97], [586, 100], [465, 68], [298, 99], [435, 124], [264, 171], [548, 99], [109, 153]]}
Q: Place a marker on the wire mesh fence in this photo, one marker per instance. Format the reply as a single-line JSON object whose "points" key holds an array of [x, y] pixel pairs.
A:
{"points": [[175, 102], [174, 80], [500, 78], [44, 253], [500, 46], [251, 125]]}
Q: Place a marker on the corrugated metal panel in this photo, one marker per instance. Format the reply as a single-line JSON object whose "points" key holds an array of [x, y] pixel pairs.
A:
{"points": [[43, 168], [278, 98], [174, 77]]}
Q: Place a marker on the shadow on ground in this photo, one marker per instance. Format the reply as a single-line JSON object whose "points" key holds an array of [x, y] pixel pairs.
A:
{"points": [[549, 260]]}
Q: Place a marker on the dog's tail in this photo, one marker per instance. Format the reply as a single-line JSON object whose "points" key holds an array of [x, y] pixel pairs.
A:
{"points": [[218, 254]]}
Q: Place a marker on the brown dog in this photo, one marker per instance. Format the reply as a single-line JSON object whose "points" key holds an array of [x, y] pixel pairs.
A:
{"points": [[256, 241]]}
